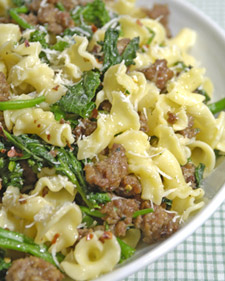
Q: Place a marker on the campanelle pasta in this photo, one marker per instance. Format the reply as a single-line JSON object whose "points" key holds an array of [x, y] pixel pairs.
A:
{"points": [[104, 131]]}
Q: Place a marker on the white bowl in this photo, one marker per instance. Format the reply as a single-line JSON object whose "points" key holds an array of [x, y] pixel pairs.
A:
{"points": [[209, 50]]}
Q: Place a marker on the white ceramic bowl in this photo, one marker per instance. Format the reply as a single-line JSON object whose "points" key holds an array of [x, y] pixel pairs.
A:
{"points": [[209, 50]]}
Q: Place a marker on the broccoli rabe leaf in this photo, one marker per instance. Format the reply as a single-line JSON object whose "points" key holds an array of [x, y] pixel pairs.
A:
{"points": [[78, 98], [203, 93], [111, 54], [39, 36], [82, 30], [199, 170], [4, 265], [18, 3], [92, 13], [63, 160], [19, 242], [126, 250]]}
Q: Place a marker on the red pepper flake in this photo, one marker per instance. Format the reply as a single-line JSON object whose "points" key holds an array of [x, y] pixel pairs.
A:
{"points": [[39, 125], [139, 22], [56, 236], [99, 61], [48, 137], [26, 43], [3, 150], [94, 28], [53, 153], [56, 88], [70, 147], [94, 113], [22, 200], [13, 153], [89, 236], [45, 191], [105, 236]]}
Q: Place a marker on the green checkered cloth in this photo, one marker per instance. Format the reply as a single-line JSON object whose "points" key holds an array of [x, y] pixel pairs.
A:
{"points": [[202, 256]]}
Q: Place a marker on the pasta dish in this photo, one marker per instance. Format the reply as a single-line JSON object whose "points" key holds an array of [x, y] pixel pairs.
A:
{"points": [[107, 130]]}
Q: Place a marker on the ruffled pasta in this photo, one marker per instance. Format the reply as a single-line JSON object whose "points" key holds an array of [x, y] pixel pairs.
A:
{"points": [[92, 256]]}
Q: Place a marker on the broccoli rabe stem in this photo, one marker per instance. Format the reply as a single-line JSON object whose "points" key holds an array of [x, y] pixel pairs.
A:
{"points": [[19, 242], [20, 104], [14, 13], [217, 106]]}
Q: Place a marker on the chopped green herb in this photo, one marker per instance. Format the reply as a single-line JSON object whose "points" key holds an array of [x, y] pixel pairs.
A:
{"points": [[39, 36]]}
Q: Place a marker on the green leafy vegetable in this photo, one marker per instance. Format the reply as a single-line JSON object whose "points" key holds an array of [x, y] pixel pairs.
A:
{"points": [[4, 264], [90, 212], [217, 106], [78, 98], [18, 3], [19, 242], [203, 93], [111, 54], [199, 170], [99, 198], [126, 250], [142, 212], [181, 66], [39, 36], [60, 6], [92, 13], [167, 202], [65, 162], [19, 104], [152, 33], [14, 14], [60, 46], [82, 30]]}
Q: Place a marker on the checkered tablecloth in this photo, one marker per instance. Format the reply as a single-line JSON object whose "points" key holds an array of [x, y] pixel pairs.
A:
{"points": [[202, 256]]}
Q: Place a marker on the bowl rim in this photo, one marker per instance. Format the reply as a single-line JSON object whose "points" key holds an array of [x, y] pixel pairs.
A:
{"points": [[199, 219]]}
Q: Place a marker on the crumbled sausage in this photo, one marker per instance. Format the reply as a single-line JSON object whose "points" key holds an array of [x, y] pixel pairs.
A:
{"points": [[161, 12], [57, 20], [172, 117], [4, 87], [108, 173], [85, 128], [29, 176], [188, 171], [122, 44], [190, 131], [30, 18], [119, 212], [158, 73], [105, 105], [33, 269], [130, 186], [143, 122], [157, 225]]}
